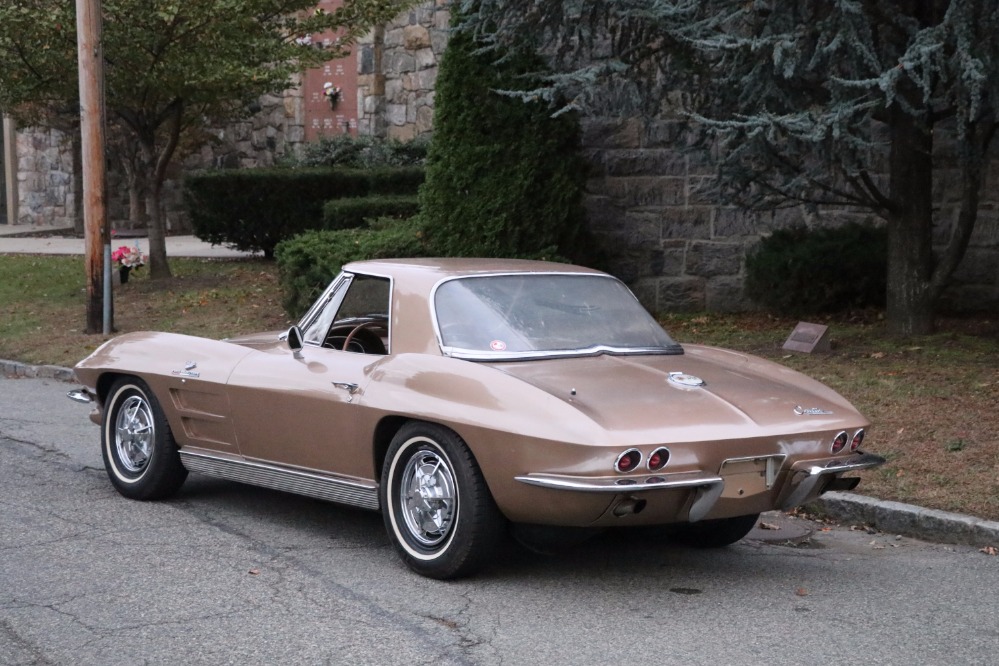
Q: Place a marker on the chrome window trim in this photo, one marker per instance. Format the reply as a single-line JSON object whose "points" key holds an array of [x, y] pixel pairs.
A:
{"points": [[596, 350], [324, 298], [346, 279]]}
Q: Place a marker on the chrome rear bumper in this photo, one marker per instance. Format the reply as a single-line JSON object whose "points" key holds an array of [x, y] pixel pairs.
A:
{"points": [[807, 474], [804, 479]]}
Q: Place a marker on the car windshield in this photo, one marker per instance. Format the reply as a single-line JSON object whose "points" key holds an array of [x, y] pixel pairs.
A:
{"points": [[539, 314]]}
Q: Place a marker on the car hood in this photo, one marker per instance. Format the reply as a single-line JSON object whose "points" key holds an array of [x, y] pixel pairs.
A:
{"points": [[261, 341], [740, 395]]}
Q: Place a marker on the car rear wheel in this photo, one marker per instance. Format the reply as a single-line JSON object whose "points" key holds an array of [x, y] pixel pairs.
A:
{"points": [[437, 508], [716, 533], [139, 451]]}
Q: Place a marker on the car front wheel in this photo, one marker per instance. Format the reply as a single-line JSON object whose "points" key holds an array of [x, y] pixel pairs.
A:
{"points": [[437, 508], [139, 451]]}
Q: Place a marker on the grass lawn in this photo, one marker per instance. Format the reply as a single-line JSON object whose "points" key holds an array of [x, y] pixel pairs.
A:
{"points": [[43, 304], [933, 400]]}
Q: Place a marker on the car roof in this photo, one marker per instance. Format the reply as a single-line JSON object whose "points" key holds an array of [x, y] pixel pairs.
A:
{"points": [[439, 268], [414, 281]]}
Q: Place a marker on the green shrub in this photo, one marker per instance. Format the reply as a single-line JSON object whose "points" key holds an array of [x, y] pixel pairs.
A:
{"points": [[395, 180], [255, 209], [351, 213], [361, 152], [308, 262], [808, 271], [504, 178]]}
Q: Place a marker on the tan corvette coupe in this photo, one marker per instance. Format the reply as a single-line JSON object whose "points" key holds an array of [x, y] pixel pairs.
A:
{"points": [[464, 396]]}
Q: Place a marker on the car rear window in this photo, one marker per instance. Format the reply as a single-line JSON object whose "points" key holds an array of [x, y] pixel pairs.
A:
{"points": [[531, 314]]}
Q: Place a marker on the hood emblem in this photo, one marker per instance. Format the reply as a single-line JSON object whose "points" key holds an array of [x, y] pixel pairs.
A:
{"points": [[810, 411], [685, 380], [188, 370]]}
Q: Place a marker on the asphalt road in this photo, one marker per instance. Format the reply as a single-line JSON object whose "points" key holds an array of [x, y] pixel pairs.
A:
{"points": [[227, 574]]}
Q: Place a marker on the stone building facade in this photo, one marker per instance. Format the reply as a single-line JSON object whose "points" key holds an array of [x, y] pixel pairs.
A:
{"points": [[397, 72], [677, 250]]}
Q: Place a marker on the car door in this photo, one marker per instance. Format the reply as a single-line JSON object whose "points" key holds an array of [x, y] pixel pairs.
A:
{"points": [[304, 409]]}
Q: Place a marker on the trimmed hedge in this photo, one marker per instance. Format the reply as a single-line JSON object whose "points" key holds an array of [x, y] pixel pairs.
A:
{"points": [[351, 213], [808, 271], [255, 209], [308, 262]]}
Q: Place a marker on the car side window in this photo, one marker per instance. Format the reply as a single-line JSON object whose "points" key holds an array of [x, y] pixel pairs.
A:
{"points": [[361, 322]]}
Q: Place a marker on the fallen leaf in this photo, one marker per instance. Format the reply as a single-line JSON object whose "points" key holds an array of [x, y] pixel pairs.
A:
{"points": [[989, 550], [769, 526], [801, 592]]}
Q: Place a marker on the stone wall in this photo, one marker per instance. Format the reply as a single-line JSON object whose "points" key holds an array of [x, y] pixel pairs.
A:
{"points": [[397, 71], [681, 252], [45, 173], [45, 178]]}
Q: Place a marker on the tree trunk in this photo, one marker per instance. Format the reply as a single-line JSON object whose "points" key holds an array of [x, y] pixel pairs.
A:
{"points": [[158, 266], [154, 168], [136, 195], [136, 205], [910, 225], [149, 183]]}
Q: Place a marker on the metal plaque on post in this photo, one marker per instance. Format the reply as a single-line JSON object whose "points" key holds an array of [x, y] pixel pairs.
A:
{"points": [[808, 338]]}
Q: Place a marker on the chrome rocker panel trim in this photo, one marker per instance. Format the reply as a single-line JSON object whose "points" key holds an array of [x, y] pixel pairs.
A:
{"points": [[354, 493], [707, 487], [815, 471]]}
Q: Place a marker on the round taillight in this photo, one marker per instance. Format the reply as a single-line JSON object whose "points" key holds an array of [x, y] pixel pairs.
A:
{"points": [[628, 460], [658, 459], [858, 439], [839, 442]]}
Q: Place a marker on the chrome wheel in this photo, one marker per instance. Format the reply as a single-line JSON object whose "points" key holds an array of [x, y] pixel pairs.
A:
{"points": [[134, 433], [437, 508], [137, 445], [428, 499]]}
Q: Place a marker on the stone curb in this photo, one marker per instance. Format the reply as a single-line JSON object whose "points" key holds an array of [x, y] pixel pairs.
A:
{"points": [[908, 520], [891, 517], [16, 369]]}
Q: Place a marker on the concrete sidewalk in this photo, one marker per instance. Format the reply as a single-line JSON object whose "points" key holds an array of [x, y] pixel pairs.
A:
{"points": [[50, 241]]}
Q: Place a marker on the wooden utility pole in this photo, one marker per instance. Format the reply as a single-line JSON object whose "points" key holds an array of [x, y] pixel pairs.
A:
{"points": [[97, 236], [9, 159]]}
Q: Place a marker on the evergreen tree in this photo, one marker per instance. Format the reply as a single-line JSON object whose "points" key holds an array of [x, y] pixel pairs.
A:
{"points": [[504, 178], [827, 102]]}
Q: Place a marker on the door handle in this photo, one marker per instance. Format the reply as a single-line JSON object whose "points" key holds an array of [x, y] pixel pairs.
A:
{"points": [[349, 387]]}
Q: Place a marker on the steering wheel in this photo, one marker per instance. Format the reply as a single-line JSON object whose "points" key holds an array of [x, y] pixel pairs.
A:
{"points": [[372, 340]]}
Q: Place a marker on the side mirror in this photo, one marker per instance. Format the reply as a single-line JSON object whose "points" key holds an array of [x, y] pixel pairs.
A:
{"points": [[295, 341]]}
